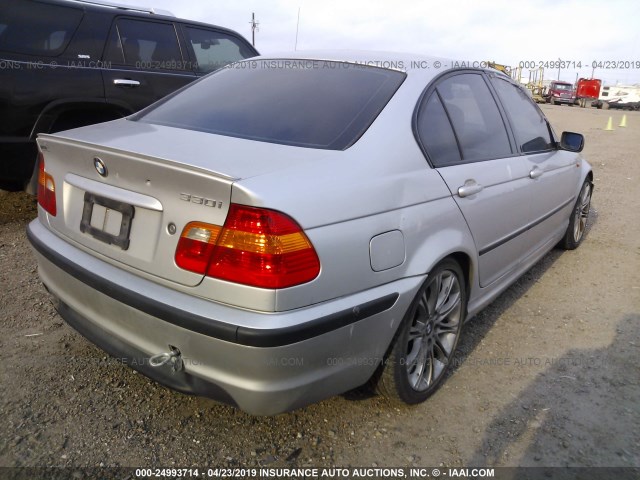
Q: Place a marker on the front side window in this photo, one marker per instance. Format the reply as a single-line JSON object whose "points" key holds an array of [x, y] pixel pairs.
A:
{"points": [[529, 126], [37, 28], [145, 45], [306, 103], [214, 50], [475, 117]]}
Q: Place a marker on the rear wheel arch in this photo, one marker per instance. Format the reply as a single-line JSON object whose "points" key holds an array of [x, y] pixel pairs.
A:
{"points": [[467, 266], [390, 378], [468, 271]]}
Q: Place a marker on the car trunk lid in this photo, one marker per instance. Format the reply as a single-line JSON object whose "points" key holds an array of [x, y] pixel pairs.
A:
{"points": [[126, 190]]}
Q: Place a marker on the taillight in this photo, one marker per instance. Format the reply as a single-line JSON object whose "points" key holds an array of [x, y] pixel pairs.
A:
{"points": [[257, 247], [196, 246], [46, 188]]}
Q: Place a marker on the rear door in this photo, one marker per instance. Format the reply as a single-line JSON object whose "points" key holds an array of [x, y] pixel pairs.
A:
{"points": [[552, 172], [465, 138], [144, 62]]}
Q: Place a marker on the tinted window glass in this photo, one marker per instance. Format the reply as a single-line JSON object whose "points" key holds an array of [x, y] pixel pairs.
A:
{"points": [[293, 102], [37, 28], [436, 133], [147, 45], [214, 50], [475, 117], [529, 126]]}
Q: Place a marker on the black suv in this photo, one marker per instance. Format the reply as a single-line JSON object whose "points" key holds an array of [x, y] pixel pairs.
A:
{"points": [[69, 63]]}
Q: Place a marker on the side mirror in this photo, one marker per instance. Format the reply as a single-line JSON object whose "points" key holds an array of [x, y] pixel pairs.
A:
{"points": [[573, 142]]}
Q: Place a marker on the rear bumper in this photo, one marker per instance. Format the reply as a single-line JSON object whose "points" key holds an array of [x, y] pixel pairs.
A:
{"points": [[139, 360], [284, 361]]}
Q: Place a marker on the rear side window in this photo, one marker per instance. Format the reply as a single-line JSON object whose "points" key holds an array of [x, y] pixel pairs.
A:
{"points": [[529, 126], [34, 28], [146, 45], [436, 134], [475, 117], [305, 103], [214, 50]]}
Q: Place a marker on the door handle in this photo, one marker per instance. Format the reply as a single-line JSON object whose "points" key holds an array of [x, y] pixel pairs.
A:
{"points": [[123, 82], [470, 187], [536, 172]]}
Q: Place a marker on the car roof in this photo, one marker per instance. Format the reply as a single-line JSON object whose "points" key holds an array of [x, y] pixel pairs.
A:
{"points": [[120, 6], [418, 66], [371, 57], [143, 11]]}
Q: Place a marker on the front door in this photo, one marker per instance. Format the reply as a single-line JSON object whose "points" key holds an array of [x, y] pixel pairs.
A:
{"points": [[552, 172]]}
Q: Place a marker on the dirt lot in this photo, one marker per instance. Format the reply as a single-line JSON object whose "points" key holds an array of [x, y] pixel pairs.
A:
{"points": [[548, 375]]}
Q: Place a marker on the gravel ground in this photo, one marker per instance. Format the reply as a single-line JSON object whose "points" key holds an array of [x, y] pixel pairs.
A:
{"points": [[548, 375]]}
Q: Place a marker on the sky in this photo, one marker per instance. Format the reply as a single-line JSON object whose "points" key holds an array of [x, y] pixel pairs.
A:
{"points": [[577, 32]]}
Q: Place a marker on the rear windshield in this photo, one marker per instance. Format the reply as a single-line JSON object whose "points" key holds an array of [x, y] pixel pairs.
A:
{"points": [[306, 103], [34, 28]]}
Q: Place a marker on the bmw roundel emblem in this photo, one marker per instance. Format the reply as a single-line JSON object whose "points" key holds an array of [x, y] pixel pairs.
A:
{"points": [[101, 168]]}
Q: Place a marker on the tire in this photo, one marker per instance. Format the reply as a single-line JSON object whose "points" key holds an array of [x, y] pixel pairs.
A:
{"points": [[579, 217], [422, 352], [605, 106]]}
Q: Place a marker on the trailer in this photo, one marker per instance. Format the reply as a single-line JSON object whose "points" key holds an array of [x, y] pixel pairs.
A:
{"points": [[625, 97], [587, 90]]}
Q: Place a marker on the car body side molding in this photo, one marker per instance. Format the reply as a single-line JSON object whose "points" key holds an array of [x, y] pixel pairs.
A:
{"points": [[524, 229]]}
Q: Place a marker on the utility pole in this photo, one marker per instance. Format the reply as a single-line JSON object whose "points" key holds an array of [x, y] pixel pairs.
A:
{"points": [[254, 27]]}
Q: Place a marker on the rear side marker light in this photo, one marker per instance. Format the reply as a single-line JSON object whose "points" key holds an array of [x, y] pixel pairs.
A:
{"points": [[46, 188], [256, 247]]}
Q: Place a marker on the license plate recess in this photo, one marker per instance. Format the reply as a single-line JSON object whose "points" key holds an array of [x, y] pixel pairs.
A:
{"points": [[119, 238]]}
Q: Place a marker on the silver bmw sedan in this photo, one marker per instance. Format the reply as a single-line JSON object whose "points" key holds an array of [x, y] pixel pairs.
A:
{"points": [[291, 227]]}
